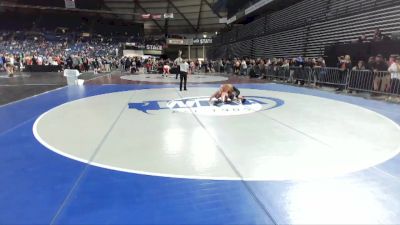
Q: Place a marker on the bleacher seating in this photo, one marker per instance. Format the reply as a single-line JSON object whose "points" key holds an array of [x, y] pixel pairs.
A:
{"points": [[347, 29], [297, 15], [254, 28], [307, 27]]}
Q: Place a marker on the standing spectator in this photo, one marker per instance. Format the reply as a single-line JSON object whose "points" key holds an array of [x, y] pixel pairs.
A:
{"points": [[263, 69], [360, 66], [243, 68], [382, 79], [362, 39], [344, 66], [10, 65], [370, 63], [394, 70], [237, 66], [378, 36], [2, 61]]}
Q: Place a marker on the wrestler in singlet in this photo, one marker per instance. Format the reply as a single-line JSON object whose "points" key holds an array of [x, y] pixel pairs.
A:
{"points": [[227, 91]]}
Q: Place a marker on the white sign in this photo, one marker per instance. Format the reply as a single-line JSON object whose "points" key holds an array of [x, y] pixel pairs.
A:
{"points": [[70, 4], [256, 6], [223, 20], [71, 73], [231, 20], [175, 41], [202, 41], [133, 53], [168, 15], [154, 47]]}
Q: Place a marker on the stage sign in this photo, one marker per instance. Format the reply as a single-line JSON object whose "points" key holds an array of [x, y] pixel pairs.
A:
{"points": [[70, 4], [140, 46], [202, 41]]}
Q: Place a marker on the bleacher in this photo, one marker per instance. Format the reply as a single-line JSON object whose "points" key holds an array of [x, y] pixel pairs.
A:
{"points": [[308, 26], [297, 15], [252, 29], [349, 28]]}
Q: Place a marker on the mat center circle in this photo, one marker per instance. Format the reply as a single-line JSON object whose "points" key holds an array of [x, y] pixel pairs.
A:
{"points": [[162, 132]]}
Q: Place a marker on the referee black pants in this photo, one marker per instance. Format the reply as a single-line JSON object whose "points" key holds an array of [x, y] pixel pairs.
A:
{"points": [[178, 69], [183, 80]]}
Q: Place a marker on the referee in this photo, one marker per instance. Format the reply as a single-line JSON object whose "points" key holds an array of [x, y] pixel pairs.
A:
{"points": [[184, 68], [177, 63]]}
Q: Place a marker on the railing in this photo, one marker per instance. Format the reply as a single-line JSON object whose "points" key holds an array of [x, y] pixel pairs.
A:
{"points": [[381, 82]]}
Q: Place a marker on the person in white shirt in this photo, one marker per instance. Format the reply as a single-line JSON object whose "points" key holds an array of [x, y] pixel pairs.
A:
{"points": [[243, 68], [394, 71], [10, 65], [184, 69], [394, 68]]}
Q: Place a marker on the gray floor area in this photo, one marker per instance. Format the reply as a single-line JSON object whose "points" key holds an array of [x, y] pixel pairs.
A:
{"points": [[24, 85]]}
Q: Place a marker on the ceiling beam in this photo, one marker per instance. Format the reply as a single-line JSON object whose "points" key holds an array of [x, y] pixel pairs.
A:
{"points": [[166, 23], [215, 12], [21, 6], [138, 5], [199, 18], [209, 5], [183, 16]]}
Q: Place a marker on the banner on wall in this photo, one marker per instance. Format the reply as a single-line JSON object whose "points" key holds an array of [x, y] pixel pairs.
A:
{"points": [[133, 53], [168, 15], [156, 16], [176, 41], [140, 46]]}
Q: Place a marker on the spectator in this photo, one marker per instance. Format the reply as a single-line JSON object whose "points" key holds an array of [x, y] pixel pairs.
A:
{"points": [[362, 39], [381, 77], [394, 70], [263, 69], [243, 68], [2, 61], [360, 66], [378, 36], [371, 63], [344, 66], [394, 67]]}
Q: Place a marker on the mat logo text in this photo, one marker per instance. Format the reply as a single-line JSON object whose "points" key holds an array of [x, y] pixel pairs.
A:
{"points": [[201, 106]]}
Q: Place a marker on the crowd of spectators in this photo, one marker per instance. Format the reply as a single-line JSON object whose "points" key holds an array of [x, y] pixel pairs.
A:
{"points": [[378, 74], [19, 50], [258, 67]]}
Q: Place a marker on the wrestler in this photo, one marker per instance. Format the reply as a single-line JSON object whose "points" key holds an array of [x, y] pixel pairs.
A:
{"points": [[226, 93]]}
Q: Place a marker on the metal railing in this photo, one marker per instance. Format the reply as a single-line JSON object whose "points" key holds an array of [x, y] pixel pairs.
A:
{"points": [[381, 82]]}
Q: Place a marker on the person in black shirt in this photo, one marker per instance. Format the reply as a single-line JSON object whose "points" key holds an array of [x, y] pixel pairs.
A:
{"points": [[362, 39], [378, 36], [381, 76]]}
